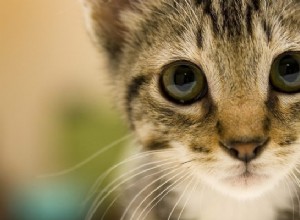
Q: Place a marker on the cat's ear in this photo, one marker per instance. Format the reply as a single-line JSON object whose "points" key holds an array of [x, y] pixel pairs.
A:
{"points": [[105, 24]]}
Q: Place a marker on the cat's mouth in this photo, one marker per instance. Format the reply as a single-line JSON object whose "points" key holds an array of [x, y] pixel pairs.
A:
{"points": [[247, 182], [243, 185], [247, 178]]}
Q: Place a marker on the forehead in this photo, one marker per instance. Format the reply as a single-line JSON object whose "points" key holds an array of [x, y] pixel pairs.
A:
{"points": [[238, 30], [229, 39], [229, 21]]}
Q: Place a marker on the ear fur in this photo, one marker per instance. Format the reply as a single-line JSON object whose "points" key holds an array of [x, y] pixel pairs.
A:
{"points": [[104, 23]]}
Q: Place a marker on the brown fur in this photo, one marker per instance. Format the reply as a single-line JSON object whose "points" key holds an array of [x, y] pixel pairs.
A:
{"points": [[235, 43]]}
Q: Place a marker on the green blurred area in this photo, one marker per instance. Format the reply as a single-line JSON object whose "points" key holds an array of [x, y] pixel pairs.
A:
{"points": [[84, 130]]}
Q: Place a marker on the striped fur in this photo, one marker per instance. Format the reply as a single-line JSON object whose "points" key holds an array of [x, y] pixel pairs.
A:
{"points": [[234, 42]]}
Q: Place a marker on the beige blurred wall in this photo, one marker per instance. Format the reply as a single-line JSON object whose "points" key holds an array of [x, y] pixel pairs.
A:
{"points": [[45, 54]]}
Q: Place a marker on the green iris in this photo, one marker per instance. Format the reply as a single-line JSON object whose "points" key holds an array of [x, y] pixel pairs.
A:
{"points": [[285, 73], [183, 82]]}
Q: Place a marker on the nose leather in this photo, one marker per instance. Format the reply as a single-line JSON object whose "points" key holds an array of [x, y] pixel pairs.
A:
{"points": [[245, 151]]}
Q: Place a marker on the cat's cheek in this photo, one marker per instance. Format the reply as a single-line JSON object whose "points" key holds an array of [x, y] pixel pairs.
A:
{"points": [[144, 130]]}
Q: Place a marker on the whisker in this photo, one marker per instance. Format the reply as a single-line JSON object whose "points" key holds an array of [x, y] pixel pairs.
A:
{"points": [[181, 197], [146, 187], [181, 179], [104, 196], [100, 180], [103, 176], [91, 158], [188, 198], [290, 193], [136, 169], [162, 195], [96, 204], [295, 178], [165, 192], [133, 184], [296, 191], [297, 170]]}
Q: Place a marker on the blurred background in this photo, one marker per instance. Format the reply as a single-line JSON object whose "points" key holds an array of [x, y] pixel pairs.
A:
{"points": [[55, 107]]}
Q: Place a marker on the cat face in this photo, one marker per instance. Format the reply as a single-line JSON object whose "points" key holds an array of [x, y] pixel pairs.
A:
{"points": [[217, 81]]}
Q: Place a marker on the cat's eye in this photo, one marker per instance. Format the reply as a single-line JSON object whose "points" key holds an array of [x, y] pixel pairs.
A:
{"points": [[183, 82], [285, 73]]}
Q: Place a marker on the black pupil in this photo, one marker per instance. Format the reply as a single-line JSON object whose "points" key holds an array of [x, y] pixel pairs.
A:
{"points": [[184, 78], [289, 68]]}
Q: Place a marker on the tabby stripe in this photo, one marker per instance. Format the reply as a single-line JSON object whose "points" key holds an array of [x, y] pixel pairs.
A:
{"points": [[199, 2], [267, 124], [169, 116], [288, 140], [133, 91], [249, 14], [256, 5], [267, 29], [231, 20], [295, 108], [253, 7], [201, 149], [199, 38], [208, 9], [157, 144], [272, 105]]}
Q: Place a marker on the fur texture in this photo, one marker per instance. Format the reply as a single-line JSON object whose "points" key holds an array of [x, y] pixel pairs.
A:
{"points": [[235, 43]]}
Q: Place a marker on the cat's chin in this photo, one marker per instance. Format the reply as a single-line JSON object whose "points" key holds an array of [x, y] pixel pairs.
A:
{"points": [[246, 186]]}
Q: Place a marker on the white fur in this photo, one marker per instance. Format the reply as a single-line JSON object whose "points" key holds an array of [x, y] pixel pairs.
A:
{"points": [[208, 204], [258, 199]]}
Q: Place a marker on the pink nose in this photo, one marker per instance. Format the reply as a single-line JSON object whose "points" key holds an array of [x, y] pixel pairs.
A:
{"points": [[245, 151]]}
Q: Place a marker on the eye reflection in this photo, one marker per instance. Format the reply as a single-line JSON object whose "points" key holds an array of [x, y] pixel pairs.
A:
{"points": [[183, 82], [285, 73]]}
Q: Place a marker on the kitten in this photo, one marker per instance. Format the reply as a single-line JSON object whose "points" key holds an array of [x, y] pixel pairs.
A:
{"points": [[211, 91]]}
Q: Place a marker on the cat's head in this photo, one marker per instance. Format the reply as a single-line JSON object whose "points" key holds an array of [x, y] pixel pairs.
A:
{"points": [[218, 81]]}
